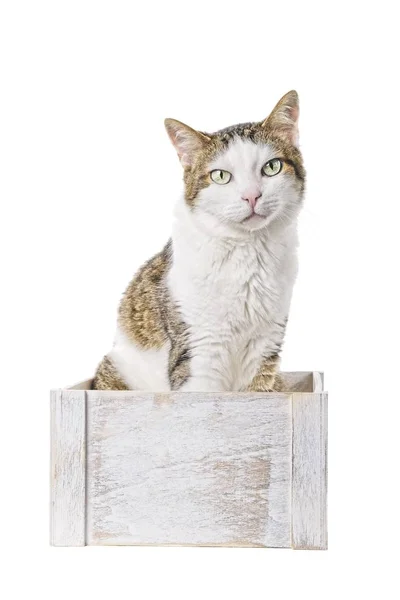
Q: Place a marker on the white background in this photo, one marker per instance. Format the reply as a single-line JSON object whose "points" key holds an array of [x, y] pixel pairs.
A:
{"points": [[88, 182]]}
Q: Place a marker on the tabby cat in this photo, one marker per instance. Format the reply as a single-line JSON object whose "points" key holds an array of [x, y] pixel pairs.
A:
{"points": [[208, 313]]}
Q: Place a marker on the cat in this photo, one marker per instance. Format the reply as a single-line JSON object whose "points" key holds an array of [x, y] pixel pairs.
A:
{"points": [[209, 312]]}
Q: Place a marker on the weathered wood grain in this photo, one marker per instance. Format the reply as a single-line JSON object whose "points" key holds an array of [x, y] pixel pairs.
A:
{"points": [[318, 382], [295, 381], [186, 468], [68, 469], [190, 469], [83, 385], [309, 472]]}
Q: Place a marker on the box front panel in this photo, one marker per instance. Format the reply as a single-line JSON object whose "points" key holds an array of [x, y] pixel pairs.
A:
{"points": [[196, 469]]}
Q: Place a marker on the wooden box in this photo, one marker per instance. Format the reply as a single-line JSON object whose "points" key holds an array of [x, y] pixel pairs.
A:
{"points": [[206, 469]]}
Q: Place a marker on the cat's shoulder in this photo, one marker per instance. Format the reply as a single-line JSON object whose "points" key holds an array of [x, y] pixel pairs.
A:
{"points": [[139, 311]]}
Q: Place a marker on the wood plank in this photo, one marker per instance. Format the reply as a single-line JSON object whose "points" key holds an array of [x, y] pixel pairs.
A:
{"points": [[82, 385], [68, 465], [318, 382], [309, 471], [188, 469], [295, 381]]}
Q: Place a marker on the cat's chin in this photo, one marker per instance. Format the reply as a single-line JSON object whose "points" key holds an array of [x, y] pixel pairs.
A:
{"points": [[254, 222], [215, 227]]}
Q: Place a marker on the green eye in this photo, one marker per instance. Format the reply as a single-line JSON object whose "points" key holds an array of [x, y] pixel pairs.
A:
{"points": [[272, 167], [220, 177]]}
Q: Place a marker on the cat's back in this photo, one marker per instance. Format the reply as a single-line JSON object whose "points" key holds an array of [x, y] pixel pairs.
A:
{"points": [[139, 357], [140, 309]]}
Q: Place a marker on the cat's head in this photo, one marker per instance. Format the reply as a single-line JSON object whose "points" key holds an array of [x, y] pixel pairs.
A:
{"points": [[247, 176]]}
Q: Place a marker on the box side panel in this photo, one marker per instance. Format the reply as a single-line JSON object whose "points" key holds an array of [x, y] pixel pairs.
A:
{"points": [[297, 381], [189, 469], [83, 385], [318, 381], [68, 465], [309, 471]]}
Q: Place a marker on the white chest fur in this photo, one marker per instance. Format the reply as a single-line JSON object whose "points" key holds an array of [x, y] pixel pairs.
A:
{"points": [[234, 295]]}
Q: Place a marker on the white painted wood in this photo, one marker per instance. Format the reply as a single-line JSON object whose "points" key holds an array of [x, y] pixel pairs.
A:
{"points": [[309, 474], [299, 381], [67, 510], [189, 469], [318, 382], [83, 385]]}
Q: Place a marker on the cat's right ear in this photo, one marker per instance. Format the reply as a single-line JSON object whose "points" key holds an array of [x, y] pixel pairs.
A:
{"points": [[187, 141], [284, 118]]}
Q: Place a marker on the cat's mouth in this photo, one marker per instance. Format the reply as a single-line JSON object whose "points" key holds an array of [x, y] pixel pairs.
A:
{"points": [[253, 217]]}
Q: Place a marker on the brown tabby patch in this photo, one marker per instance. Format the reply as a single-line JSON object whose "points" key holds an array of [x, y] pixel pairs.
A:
{"points": [[139, 311], [264, 380], [107, 377], [150, 318]]}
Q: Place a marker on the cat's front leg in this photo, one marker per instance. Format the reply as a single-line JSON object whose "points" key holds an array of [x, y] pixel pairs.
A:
{"points": [[201, 384], [193, 374], [107, 377], [266, 379]]}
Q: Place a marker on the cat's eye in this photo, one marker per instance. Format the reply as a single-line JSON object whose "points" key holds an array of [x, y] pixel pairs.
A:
{"points": [[221, 177], [272, 167]]}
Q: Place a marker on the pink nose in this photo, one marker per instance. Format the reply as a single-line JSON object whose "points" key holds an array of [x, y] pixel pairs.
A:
{"points": [[251, 198]]}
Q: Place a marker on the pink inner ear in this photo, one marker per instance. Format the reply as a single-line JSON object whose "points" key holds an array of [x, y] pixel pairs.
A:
{"points": [[180, 142], [284, 122], [187, 141], [184, 146], [294, 113], [291, 134], [284, 117], [292, 130]]}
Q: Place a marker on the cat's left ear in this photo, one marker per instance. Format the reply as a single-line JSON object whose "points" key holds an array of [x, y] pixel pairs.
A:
{"points": [[284, 118], [187, 141]]}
